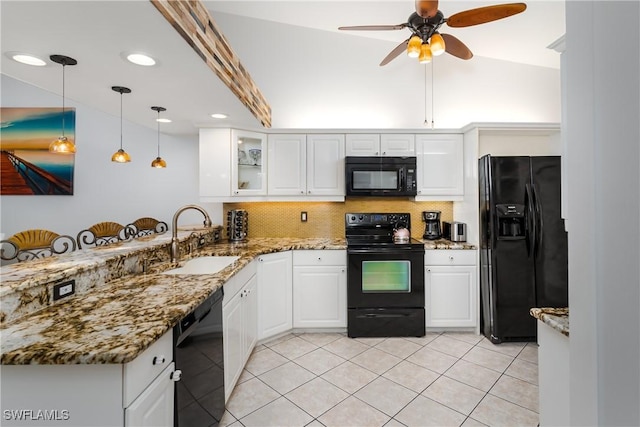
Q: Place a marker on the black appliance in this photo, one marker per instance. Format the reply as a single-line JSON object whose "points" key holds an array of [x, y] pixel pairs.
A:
{"points": [[380, 176], [385, 280], [198, 353], [432, 230], [523, 244]]}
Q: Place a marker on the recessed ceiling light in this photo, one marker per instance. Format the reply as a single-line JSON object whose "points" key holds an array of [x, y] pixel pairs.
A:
{"points": [[28, 59], [163, 120], [141, 59], [219, 116]]}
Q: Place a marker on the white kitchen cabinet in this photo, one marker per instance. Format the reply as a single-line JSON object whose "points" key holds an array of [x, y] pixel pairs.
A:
{"points": [[287, 160], [325, 165], [380, 145], [401, 144], [440, 167], [231, 164], [306, 165], [320, 289], [128, 394], [275, 294], [154, 407], [451, 288], [248, 165], [239, 312], [363, 144]]}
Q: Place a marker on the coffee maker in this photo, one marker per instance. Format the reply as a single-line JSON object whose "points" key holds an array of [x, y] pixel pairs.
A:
{"points": [[432, 230]]}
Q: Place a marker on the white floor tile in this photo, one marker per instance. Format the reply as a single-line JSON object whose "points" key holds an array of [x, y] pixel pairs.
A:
{"points": [[386, 396], [346, 347], [497, 412], [426, 412], [354, 413], [319, 361], [517, 391], [474, 375], [263, 361], [399, 347], [450, 346], [411, 376], [279, 413], [508, 348], [454, 394], [487, 358], [349, 377], [250, 396], [432, 359], [376, 360], [286, 377], [294, 347], [317, 396], [523, 370]]}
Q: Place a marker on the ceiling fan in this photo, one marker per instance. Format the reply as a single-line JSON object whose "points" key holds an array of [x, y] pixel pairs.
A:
{"points": [[425, 40]]}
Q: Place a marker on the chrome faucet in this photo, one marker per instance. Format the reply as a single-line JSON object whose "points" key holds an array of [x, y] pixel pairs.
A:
{"points": [[174, 228]]}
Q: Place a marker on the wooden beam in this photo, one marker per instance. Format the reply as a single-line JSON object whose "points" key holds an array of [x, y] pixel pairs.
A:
{"points": [[194, 23]]}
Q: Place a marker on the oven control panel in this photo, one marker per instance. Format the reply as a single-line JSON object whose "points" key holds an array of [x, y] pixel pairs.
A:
{"points": [[376, 219]]}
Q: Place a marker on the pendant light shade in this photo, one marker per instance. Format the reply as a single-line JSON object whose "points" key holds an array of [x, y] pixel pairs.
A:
{"points": [[121, 156], [437, 44], [62, 145], [425, 53], [413, 47], [159, 161]]}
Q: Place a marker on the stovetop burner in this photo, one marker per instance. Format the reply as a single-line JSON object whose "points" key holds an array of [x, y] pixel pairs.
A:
{"points": [[375, 230]]}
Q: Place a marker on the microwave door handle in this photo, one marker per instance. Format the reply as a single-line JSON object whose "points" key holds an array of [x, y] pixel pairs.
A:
{"points": [[401, 179]]}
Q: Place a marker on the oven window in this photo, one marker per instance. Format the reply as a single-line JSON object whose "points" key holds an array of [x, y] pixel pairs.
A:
{"points": [[375, 180], [386, 276]]}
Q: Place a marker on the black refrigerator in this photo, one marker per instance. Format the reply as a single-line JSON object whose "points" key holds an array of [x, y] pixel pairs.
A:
{"points": [[523, 244]]}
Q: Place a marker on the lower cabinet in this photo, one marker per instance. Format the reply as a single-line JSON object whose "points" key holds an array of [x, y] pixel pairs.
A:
{"points": [[275, 294], [239, 320], [138, 393], [320, 289], [451, 288]]}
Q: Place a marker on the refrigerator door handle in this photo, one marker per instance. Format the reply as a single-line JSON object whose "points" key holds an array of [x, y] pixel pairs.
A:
{"points": [[530, 220], [539, 226]]}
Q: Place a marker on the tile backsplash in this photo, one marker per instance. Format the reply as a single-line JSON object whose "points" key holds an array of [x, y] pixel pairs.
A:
{"points": [[326, 219]]}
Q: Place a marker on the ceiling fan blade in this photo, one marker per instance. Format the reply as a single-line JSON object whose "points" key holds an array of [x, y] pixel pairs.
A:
{"points": [[374, 27], [427, 8], [455, 47], [395, 52], [485, 14]]}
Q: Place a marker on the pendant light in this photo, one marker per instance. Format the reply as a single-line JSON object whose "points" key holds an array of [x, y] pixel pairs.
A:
{"points": [[62, 145], [121, 156], [158, 162]]}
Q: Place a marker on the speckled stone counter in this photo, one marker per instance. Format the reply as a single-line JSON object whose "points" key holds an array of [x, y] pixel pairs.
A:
{"points": [[556, 318], [118, 311], [117, 321], [446, 244]]}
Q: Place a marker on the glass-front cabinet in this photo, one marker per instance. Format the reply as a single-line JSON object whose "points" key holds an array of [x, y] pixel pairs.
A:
{"points": [[249, 166]]}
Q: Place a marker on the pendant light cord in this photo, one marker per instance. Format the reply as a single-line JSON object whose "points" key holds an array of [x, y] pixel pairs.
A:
{"points": [[158, 122], [63, 100], [432, 95], [121, 120]]}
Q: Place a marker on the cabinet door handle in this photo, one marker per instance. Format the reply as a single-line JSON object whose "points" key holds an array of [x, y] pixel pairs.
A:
{"points": [[428, 270], [451, 258], [319, 259], [384, 153], [176, 375], [309, 192], [158, 360], [343, 270], [376, 153]]}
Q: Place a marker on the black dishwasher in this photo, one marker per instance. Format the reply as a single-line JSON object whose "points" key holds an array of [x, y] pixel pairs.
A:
{"points": [[198, 353]]}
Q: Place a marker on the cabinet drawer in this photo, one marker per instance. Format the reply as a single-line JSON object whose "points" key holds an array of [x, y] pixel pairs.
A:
{"points": [[320, 257], [235, 283], [140, 372], [450, 257]]}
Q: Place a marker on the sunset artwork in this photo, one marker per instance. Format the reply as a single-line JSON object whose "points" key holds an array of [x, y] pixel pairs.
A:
{"points": [[26, 165]]}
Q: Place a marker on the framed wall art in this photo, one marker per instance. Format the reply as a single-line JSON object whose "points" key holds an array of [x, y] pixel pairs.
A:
{"points": [[26, 165]]}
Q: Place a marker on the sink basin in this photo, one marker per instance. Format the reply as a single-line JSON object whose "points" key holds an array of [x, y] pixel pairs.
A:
{"points": [[204, 265]]}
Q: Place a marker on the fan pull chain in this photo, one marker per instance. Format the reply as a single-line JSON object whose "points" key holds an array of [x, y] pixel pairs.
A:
{"points": [[432, 95]]}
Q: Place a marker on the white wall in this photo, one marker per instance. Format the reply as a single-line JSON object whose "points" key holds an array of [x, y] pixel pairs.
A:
{"points": [[103, 190], [603, 154], [308, 90]]}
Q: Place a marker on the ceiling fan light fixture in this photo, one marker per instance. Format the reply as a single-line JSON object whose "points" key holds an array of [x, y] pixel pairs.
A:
{"points": [[437, 44], [425, 54], [413, 47]]}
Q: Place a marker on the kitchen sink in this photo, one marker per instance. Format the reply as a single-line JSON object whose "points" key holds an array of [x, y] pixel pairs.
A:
{"points": [[204, 265]]}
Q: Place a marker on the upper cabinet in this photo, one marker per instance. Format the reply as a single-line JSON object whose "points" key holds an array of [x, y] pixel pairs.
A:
{"points": [[380, 145], [231, 164], [440, 167], [248, 167], [306, 165]]}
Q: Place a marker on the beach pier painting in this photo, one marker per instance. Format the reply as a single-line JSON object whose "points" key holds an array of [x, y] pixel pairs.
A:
{"points": [[26, 165]]}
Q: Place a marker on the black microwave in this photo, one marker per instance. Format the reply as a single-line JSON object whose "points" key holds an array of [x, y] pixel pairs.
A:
{"points": [[380, 176]]}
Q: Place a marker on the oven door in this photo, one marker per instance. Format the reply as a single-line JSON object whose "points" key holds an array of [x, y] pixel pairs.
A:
{"points": [[385, 278]]}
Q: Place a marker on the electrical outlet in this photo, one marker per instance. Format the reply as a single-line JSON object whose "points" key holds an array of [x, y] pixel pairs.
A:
{"points": [[303, 216], [64, 289]]}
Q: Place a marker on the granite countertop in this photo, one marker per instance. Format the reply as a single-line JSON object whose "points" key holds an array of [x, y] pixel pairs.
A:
{"points": [[118, 321], [115, 322], [557, 318]]}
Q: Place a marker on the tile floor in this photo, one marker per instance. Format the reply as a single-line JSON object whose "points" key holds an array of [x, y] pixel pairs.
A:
{"points": [[447, 379]]}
